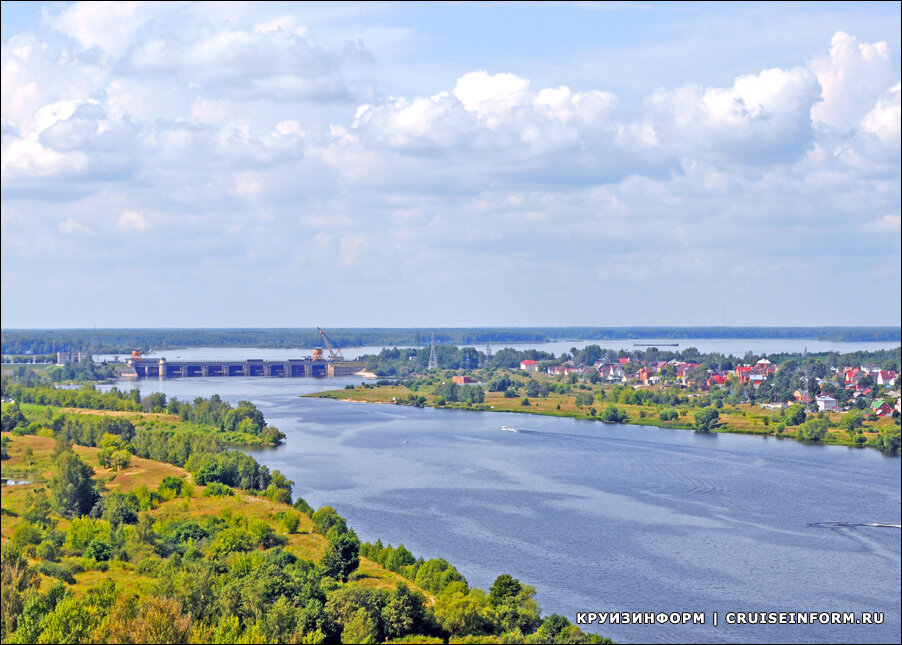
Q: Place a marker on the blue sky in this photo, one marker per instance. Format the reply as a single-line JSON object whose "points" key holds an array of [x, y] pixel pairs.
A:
{"points": [[404, 164]]}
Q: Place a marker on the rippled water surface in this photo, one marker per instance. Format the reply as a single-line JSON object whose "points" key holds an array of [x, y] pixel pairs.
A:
{"points": [[599, 517]]}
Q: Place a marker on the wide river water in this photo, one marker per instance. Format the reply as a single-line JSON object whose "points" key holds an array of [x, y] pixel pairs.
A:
{"points": [[600, 517], [736, 346]]}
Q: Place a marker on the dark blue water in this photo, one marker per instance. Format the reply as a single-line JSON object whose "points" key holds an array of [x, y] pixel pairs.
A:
{"points": [[599, 517]]}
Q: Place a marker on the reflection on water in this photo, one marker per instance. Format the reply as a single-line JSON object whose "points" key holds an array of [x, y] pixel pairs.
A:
{"points": [[599, 517]]}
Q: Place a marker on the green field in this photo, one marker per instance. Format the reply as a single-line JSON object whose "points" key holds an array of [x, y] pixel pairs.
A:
{"points": [[742, 418]]}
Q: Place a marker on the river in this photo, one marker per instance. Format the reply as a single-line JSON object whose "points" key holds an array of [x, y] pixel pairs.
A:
{"points": [[600, 517], [735, 346]]}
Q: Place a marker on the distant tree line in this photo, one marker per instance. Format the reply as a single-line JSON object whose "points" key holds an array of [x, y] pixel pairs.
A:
{"points": [[121, 341]]}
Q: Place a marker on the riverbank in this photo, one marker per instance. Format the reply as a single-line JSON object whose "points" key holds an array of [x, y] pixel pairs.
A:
{"points": [[736, 419], [120, 544]]}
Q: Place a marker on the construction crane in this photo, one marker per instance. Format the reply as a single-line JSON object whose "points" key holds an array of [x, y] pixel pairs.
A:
{"points": [[334, 352]]}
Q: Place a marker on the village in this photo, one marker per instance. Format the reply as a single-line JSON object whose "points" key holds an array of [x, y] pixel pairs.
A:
{"points": [[867, 387]]}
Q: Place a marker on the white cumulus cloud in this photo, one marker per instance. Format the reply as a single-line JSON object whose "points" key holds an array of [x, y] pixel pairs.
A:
{"points": [[132, 221]]}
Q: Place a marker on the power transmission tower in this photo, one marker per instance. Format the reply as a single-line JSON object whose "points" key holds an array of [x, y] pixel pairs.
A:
{"points": [[488, 353], [433, 362], [807, 400]]}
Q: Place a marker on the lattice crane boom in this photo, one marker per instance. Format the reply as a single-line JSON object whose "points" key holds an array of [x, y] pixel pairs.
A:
{"points": [[334, 351]]}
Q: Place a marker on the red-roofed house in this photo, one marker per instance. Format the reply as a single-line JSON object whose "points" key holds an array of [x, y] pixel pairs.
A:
{"points": [[623, 361], [743, 372], [886, 377], [717, 379], [881, 408], [529, 365]]}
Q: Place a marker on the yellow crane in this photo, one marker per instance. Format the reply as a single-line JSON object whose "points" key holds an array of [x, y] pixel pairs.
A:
{"points": [[334, 352]]}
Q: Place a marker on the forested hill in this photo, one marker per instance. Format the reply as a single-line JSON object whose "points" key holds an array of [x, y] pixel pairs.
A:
{"points": [[42, 341]]}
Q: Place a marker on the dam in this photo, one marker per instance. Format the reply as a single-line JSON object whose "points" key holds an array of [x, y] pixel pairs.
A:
{"points": [[294, 367]]}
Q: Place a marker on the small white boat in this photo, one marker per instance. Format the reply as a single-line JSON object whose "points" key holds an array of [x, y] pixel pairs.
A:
{"points": [[509, 429]]}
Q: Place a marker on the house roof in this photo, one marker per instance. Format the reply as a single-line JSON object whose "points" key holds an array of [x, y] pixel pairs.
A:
{"points": [[529, 361]]}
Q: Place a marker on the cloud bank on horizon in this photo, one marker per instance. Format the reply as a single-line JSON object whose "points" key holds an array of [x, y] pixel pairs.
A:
{"points": [[193, 164]]}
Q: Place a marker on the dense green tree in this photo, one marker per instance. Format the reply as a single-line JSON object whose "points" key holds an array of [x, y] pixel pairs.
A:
{"points": [[707, 419], [405, 613], [814, 429], [72, 491], [465, 614], [795, 415], [342, 556], [613, 415], [514, 604]]}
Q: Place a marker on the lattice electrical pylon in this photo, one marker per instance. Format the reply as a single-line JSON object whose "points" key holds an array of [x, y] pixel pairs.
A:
{"points": [[433, 361]]}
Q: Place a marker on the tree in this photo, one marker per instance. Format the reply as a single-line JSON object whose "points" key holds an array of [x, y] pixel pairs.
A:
{"points": [[17, 578], [71, 621], [814, 429], [463, 615], [514, 604], [72, 490], [160, 620], [326, 518], [504, 588], [360, 629], [98, 550], [795, 415], [120, 460], [342, 557], [405, 613], [707, 419], [613, 415]]}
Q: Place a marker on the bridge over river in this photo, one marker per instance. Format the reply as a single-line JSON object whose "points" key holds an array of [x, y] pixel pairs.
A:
{"points": [[293, 367]]}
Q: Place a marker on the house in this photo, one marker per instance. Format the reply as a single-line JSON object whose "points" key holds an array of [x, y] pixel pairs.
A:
{"points": [[826, 403], [463, 379], [743, 372], [764, 366], [757, 380], [643, 374], [886, 377], [623, 361], [881, 408], [717, 379], [684, 370], [611, 372], [529, 365]]}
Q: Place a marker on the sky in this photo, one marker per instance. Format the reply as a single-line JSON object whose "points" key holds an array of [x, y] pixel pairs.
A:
{"points": [[450, 164]]}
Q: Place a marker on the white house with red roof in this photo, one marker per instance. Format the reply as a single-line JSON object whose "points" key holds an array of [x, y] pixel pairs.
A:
{"points": [[529, 365]]}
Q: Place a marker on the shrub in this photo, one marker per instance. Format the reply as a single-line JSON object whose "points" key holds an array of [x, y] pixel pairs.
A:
{"points": [[290, 522], [215, 489], [98, 550]]}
